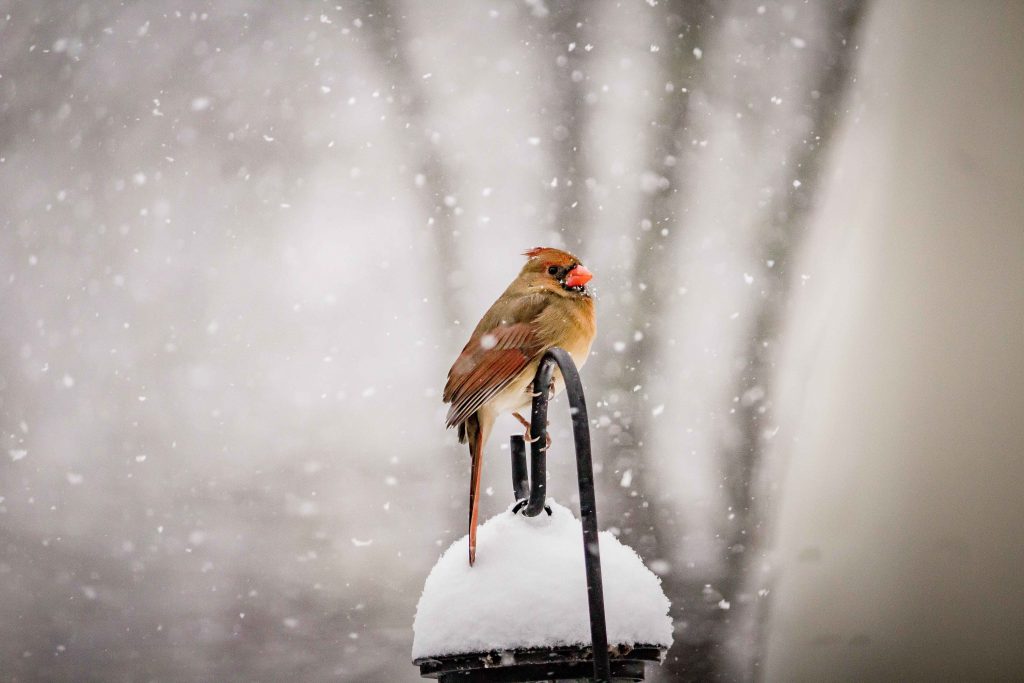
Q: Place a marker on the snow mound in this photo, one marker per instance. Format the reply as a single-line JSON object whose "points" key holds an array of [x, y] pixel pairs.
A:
{"points": [[528, 588]]}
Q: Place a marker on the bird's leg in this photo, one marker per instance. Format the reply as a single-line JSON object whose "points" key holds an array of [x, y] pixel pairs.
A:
{"points": [[526, 423]]}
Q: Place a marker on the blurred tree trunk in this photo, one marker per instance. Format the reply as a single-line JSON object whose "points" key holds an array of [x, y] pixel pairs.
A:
{"points": [[429, 170], [785, 223], [684, 28], [564, 30], [702, 654]]}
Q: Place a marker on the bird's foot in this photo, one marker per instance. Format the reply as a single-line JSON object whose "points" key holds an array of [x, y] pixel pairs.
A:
{"points": [[526, 435], [547, 440], [534, 394]]}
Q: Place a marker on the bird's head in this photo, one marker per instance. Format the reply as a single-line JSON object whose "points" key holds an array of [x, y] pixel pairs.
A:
{"points": [[557, 271]]}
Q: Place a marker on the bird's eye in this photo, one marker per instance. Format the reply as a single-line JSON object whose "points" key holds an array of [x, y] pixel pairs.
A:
{"points": [[552, 270]]}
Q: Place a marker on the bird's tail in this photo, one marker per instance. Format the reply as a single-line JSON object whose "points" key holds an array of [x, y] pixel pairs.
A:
{"points": [[475, 436]]}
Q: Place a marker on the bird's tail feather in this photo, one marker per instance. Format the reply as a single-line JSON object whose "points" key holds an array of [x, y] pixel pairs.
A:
{"points": [[475, 437]]}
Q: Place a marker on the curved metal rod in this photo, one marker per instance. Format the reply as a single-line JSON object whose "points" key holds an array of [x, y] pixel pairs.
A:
{"points": [[532, 486]]}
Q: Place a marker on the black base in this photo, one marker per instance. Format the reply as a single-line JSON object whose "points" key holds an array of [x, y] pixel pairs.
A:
{"points": [[557, 664]]}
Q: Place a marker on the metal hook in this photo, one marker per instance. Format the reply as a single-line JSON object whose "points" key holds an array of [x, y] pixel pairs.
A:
{"points": [[532, 486]]}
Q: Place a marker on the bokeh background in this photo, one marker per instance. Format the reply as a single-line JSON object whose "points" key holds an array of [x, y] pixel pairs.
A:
{"points": [[241, 243]]}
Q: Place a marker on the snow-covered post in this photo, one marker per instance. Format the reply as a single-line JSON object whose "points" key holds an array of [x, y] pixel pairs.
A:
{"points": [[517, 615]]}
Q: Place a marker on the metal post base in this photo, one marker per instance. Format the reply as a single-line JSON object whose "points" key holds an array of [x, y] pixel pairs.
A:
{"points": [[556, 664]]}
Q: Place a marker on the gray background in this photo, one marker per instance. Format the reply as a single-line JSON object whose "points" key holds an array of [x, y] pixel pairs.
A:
{"points": [[240, 245]]}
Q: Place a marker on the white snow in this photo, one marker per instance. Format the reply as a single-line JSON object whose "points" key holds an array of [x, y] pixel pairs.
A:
{"points": [[528, 589]]}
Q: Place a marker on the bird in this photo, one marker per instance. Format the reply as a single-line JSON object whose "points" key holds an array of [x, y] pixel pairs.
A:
{"points": [[547, 305]]}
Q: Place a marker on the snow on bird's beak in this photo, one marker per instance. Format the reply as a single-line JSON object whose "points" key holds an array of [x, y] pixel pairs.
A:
{"points": [[578, 276]]}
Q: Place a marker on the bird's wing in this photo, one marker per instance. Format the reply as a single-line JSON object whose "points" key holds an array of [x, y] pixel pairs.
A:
{"points": [[488, 364]]}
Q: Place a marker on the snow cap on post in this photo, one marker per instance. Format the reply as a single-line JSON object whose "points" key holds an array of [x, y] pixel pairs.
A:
{"points": [[528, 590]]}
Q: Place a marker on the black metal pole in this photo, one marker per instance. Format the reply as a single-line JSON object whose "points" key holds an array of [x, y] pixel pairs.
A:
{"points": [[520, 475], [585, 475]]}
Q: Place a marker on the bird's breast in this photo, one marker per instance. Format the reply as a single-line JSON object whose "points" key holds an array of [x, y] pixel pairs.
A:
{"points": [[579, 331]]}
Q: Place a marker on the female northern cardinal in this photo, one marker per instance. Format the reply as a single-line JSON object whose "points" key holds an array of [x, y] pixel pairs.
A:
{"points": [[547, 305]]}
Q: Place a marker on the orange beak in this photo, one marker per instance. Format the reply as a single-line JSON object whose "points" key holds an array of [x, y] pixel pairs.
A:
{"points": [[578, 276]]}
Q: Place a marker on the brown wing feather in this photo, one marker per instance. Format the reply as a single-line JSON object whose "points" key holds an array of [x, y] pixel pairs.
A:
{"points": [[480, 373]]}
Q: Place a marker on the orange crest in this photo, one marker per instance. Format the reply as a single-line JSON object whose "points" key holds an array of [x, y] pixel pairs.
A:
{"points": [[551, 255]]}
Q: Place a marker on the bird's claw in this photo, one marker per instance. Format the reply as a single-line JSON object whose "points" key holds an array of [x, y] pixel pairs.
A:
{"points": [[547, 440], [526, 425], [535, 394]]}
